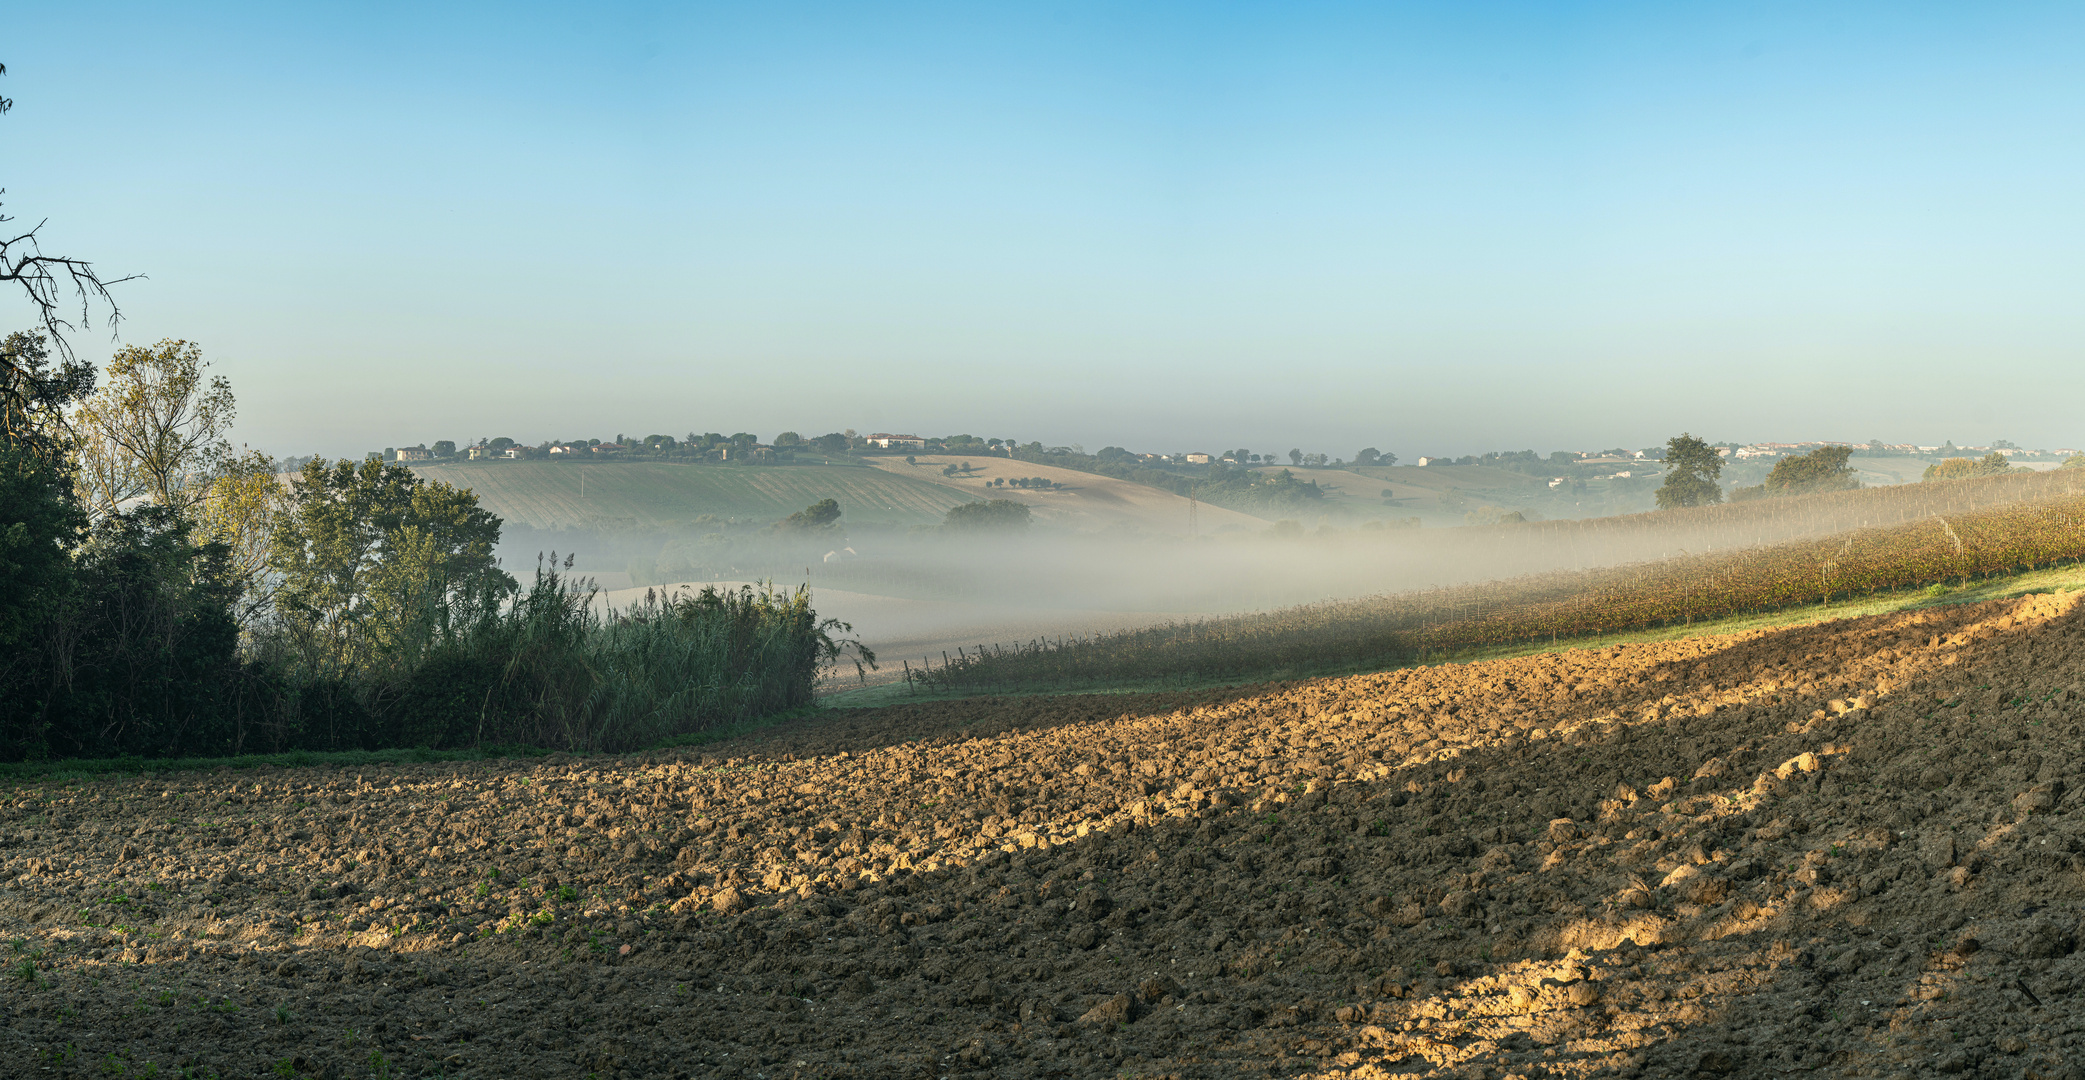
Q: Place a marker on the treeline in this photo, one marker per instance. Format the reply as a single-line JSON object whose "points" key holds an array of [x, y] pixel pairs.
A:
{"points": [[162, 596]]}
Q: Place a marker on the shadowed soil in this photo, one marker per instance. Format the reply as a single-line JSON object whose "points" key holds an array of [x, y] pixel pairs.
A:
{"points": [[1837, 850]]}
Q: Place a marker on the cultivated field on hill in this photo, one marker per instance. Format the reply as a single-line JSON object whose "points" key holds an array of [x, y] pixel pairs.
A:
{"points": [[1439, 496], [1564, 604], [546, 494], [1087, 501], [1841, 850]]}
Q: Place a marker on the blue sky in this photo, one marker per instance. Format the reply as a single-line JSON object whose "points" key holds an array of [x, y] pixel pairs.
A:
{"points": [[1441, 228]]}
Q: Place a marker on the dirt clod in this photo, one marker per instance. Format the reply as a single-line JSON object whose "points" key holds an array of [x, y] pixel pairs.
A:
{"points": [[1367, 876]]}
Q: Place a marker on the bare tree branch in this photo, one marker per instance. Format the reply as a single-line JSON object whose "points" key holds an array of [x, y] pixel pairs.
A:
{"points": [[52, 283], [47, 279]]}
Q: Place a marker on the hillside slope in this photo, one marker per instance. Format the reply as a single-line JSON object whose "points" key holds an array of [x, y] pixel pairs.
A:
{"points": [[1088, 501], [1841, 850], [546, 494]]}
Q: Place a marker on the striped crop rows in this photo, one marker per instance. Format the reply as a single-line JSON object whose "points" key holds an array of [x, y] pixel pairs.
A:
{"points": [[1942, 547]]}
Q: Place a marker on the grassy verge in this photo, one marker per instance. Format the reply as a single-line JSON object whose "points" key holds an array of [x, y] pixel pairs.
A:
{"points": [[1997, 588], [77, 769]]}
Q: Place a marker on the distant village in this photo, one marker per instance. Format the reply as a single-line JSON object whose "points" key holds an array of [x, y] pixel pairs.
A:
{"points": [[790, 447]]}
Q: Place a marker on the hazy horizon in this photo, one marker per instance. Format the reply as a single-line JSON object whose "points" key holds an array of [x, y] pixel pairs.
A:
{"points": [[1429, 230]]}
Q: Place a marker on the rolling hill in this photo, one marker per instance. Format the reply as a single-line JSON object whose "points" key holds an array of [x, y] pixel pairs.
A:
{"points": [[1087, 500], [547, 495]]}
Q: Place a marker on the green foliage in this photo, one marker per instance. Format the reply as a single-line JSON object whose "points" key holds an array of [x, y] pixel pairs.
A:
{"points": [[149, 653], [154, 430], [821, 515], [1691, 469], [553, 670], [34, 394], [2075, 461], [377, 565], [996, 516], [1968, 468], [1823, 469], [390, 625], [39, 528]]}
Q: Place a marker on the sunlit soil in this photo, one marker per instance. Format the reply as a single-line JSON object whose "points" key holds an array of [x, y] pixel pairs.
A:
{"points": [[1840, 849]]}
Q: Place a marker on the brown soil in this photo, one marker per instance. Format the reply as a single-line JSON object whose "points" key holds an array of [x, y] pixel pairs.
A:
{"points": [[1845, 849]]}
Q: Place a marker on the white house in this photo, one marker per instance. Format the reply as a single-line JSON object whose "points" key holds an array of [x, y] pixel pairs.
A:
{"points": [[886, 441], [1198, 459]]}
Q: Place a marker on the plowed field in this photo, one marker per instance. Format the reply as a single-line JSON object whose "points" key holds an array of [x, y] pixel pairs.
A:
{"points": [[1839, 850]]}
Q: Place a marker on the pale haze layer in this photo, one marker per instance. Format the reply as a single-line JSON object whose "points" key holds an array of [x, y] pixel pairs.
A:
{"points": [[1429, 229]]}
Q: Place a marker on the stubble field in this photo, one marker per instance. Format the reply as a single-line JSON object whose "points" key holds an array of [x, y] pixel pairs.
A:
{"points": [[1837, 850]]}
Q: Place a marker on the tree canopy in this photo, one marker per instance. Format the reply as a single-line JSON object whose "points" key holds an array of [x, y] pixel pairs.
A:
{"points": [[823, 514], [996, 515], [376, 560], [1691, 470], [1966, 468]]}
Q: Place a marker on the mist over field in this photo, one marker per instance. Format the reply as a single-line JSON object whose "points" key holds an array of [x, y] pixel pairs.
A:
{"points": [[913, 592]]}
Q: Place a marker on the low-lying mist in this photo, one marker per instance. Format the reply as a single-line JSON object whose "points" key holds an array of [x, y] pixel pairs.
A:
{"points": [[912, 591]]}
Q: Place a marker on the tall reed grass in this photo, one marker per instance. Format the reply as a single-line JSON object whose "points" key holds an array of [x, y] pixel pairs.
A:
{"points": [[555, 668]]}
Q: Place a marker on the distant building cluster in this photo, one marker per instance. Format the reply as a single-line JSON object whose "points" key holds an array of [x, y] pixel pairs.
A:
{"points": [[1555, 469], [1770, 451]]}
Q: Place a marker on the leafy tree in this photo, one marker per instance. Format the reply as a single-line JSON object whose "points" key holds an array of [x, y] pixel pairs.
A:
{"points": [[789, 438], [40, 522], [2075, 461], [377, 563], [1691, 470], [152, 644], [1367, 456], [831, 443], [503, 442], [154, 430], [40, 526], [1966, 468], [823, 514], [996, 515], [444, 448], [1296, 457], [34, 398], [238, 510], [1823, 469]]}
